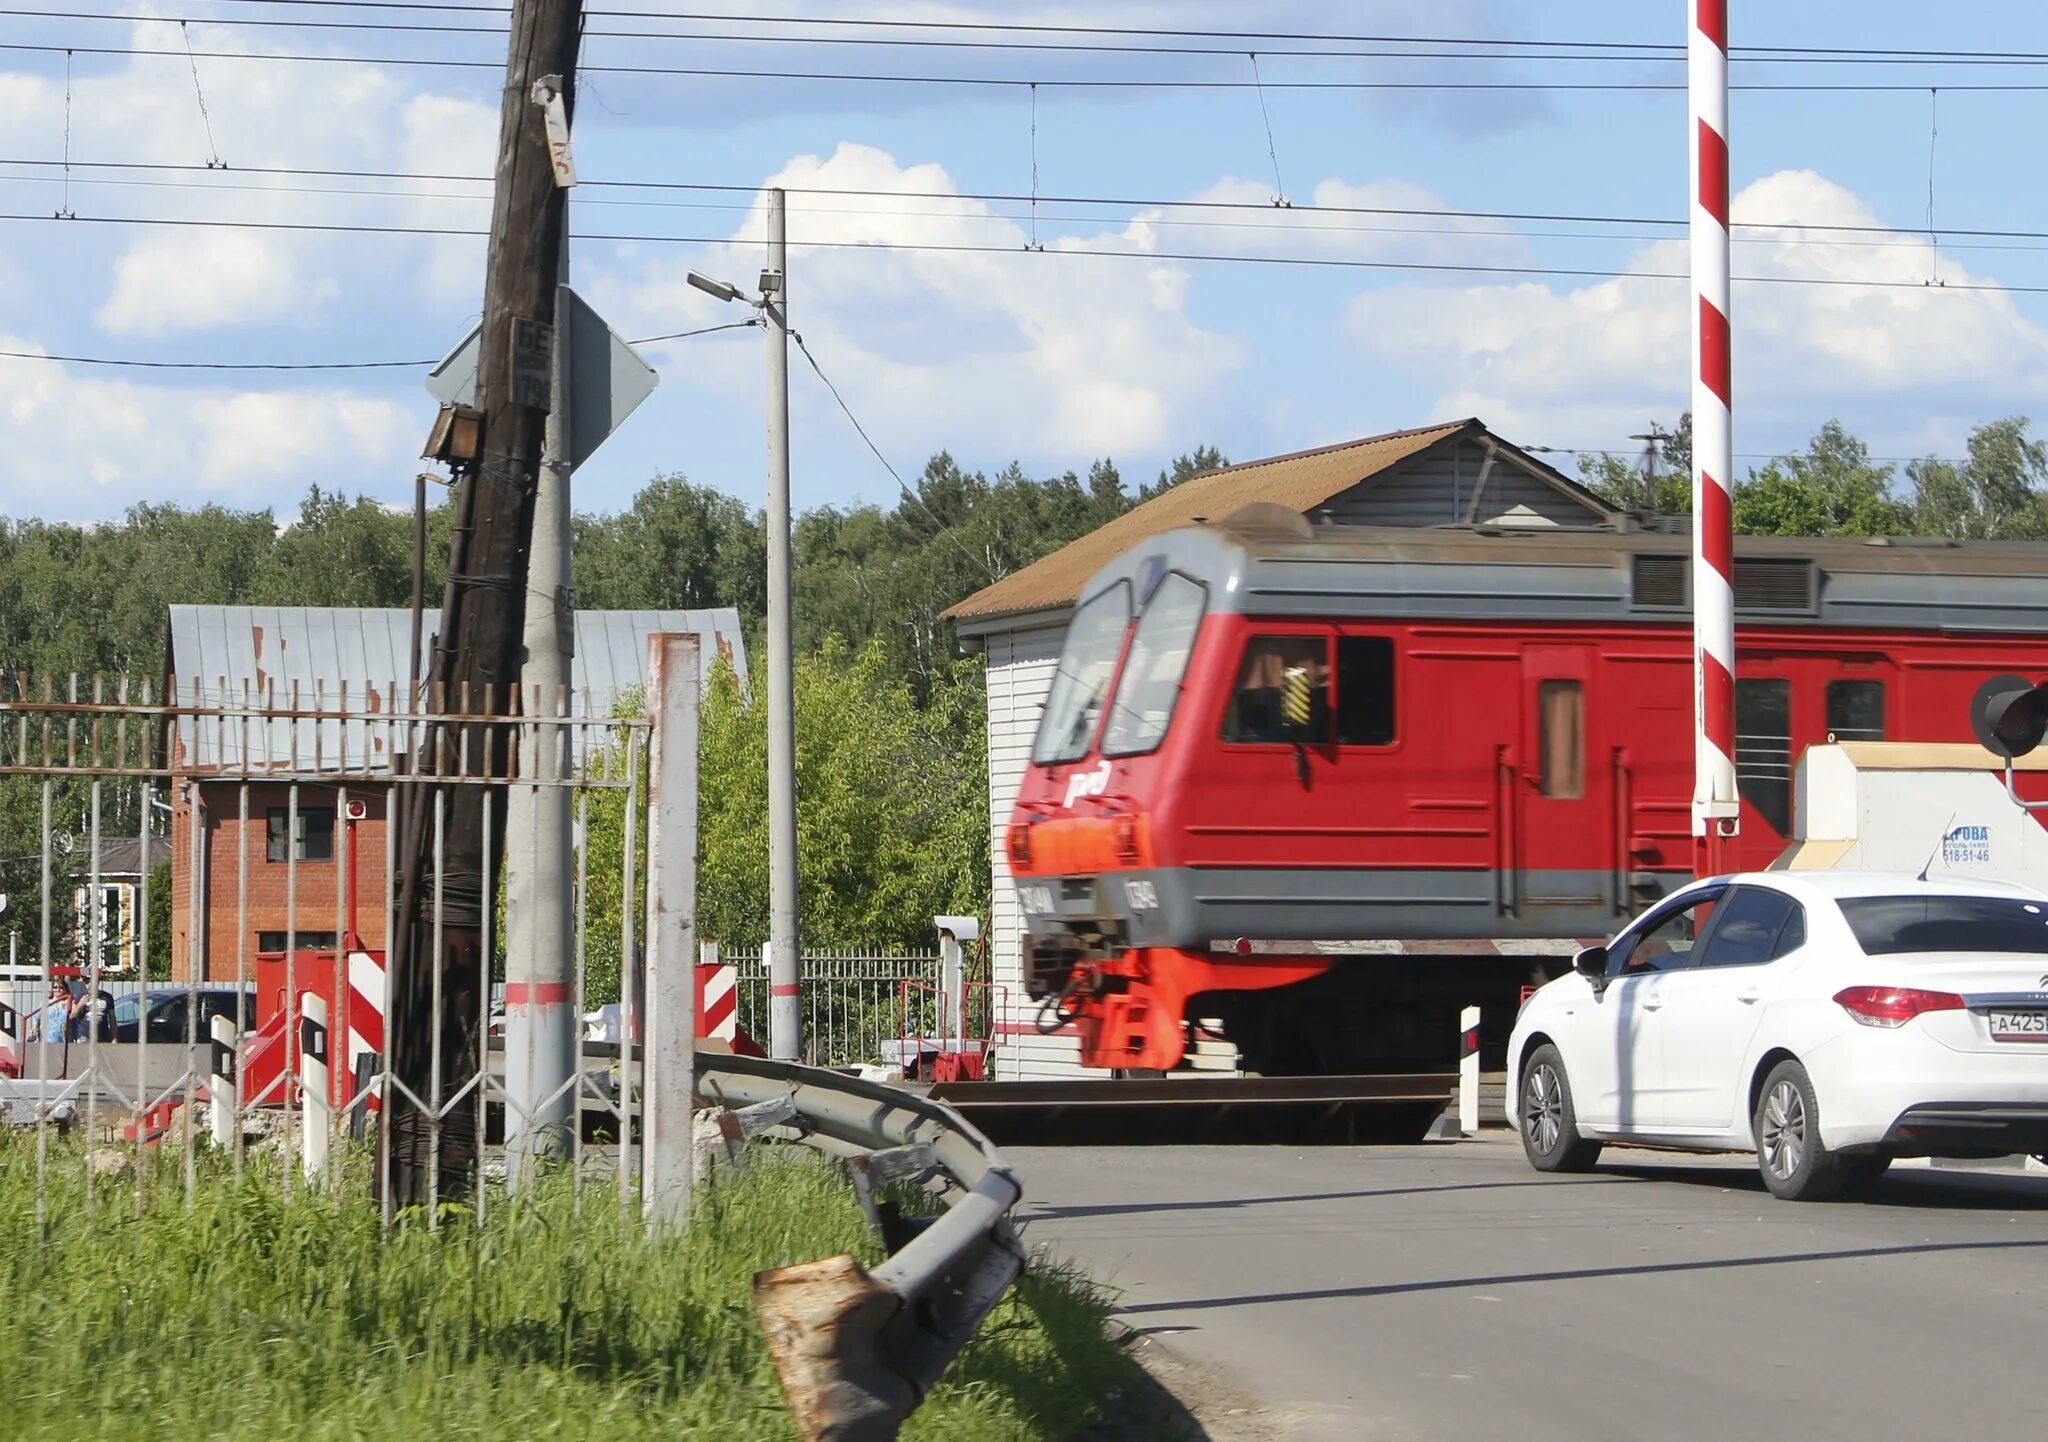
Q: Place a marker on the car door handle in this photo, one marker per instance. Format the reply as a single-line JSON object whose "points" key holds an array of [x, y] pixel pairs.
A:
{"points": [[1749, 994], [1652, 1002]]}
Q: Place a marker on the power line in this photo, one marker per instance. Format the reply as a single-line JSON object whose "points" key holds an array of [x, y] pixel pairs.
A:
{"points": [[940, 248], [913, 497], [1287, 226], [90, 360], [1623, 52], [1010, 27], [1011, 82], [1021, 198]]}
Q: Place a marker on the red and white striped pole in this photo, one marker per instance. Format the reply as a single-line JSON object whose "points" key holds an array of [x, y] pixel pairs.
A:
{"points": [[1716, 805]]}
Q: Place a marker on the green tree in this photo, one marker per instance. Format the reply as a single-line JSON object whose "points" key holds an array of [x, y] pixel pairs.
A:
{"points": [[1831, 490], [1999, 492], [355, 553], [1626, 483], [678, 546], [1188, 463], [892, 803]]}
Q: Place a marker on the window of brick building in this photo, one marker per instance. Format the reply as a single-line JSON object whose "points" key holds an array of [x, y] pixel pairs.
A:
{"points": [[315, 838]]}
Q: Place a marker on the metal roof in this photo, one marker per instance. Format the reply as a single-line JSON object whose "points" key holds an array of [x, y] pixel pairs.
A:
{"points": [[1300, 482], [319, 658]]}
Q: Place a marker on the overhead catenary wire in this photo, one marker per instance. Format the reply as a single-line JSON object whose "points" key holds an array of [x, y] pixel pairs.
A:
{"points": [[928, 247], [64, 210], [1621, 51], [212, 149], [1068, 83], [1272, 150], [939, 248], [913, 497], [1043, 27], [1020, 198], [131, 363], [1291, 225]]}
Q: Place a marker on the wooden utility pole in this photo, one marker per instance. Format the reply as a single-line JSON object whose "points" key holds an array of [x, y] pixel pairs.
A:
{"points": [[454, 834]]}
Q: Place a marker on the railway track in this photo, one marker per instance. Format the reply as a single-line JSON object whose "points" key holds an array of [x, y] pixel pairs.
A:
{"points": [[1302, 1111]]}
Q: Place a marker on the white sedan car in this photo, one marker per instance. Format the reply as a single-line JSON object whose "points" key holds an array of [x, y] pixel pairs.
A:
{"points": [[1828, 1021]]}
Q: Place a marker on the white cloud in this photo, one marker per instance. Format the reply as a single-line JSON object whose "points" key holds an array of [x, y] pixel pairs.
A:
{"points": [[62, 426], [193, 279], [1379, 220], [1585, 365], [1087, 356]]}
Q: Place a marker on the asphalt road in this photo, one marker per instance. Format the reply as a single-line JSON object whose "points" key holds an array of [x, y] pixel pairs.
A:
{"points": [[1448, 1291]]}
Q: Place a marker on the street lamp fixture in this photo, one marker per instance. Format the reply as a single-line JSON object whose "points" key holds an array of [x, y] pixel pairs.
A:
{"points": [[718, 289]]}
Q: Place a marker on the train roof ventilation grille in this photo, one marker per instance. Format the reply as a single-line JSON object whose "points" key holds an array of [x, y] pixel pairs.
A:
{"points": [[1664, 583], [1660, 581], [1775, 585]]}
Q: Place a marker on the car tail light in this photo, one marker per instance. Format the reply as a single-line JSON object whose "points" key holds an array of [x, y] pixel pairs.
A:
{"points": [[1020, 843], [1890, 1006]]}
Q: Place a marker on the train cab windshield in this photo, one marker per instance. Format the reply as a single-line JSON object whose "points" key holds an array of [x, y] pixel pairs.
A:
{"points": [[1158, 662], [1080, 686]]}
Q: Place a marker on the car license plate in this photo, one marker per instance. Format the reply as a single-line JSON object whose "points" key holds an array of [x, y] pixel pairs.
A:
{"points": [[2019, 1025]]}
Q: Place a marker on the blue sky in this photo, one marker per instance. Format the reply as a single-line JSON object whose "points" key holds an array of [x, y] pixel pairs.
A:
{"points": [[1050, 359]]}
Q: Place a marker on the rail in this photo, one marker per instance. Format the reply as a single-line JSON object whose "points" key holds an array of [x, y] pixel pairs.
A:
{"points": [[858, 1349]]}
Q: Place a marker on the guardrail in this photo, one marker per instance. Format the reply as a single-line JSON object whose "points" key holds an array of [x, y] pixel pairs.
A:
{"points": [[857, 1350]]}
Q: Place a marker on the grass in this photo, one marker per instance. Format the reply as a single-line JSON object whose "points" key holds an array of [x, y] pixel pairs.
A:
{"points": [[246, 1316]]}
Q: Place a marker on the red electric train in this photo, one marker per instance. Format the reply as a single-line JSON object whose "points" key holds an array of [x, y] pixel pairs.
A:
{"points": [[1323, 785]]}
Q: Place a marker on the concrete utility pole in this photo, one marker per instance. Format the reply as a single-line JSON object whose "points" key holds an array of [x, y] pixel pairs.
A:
{"points": [[540, 963], [450, 850], [785, 1010]]}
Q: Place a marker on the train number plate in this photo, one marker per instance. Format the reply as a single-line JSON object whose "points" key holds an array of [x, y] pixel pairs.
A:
{"points": [[2019, 1025]]}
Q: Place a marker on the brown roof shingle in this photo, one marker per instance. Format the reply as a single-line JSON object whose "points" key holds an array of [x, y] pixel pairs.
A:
{"points": [[1301, 482]]}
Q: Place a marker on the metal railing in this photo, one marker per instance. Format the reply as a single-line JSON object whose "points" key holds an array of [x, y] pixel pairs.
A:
{"points": [[852, 999], [280, 810], [858, 1349]]}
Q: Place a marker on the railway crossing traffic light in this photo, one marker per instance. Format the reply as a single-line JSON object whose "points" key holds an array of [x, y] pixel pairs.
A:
{"points": [[2009, 715]]}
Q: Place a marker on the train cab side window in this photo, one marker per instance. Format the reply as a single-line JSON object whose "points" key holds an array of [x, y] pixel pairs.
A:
{"points": [[1856, 710], [1561, 738], [1365, 691], [1282, 693]]}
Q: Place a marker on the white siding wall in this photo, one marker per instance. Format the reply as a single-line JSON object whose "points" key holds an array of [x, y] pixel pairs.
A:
{"points": [[1020, 668]]}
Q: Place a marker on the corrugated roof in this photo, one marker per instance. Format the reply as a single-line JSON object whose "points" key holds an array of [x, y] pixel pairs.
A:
{"points": [[264, 652], [1301, 482]]}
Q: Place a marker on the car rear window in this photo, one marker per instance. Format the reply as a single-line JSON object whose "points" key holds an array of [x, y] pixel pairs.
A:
{"points": [[1890, 925]]}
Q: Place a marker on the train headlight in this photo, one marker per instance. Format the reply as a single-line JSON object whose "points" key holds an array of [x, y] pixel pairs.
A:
{"points": [[1019, 844]]}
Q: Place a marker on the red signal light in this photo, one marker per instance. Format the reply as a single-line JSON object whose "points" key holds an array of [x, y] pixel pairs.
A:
{"points": [[1020, 844], [1893, 1006]]}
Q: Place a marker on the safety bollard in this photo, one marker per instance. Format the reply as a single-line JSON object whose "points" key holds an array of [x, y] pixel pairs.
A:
{"points": [[221, 1083], [316, 1088], [1468, 1071]]}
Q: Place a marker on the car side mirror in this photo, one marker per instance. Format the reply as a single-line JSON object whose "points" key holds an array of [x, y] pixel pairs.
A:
{"points": [[1591, 963]]}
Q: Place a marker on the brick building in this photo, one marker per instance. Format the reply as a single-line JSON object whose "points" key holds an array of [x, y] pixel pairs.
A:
{"points": [[282, 664]]}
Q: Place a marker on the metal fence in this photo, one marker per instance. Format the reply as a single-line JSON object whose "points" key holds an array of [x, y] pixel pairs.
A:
{"points": [[287, 821], [284, 817], [854, 1001]]}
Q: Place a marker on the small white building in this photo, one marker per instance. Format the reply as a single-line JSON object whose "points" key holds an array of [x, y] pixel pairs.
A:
{"points": [[1454, 474]]}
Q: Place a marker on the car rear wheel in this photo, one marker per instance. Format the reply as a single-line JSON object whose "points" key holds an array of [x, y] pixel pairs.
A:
{"points": [[1795, 1163], [1549, 1124]]}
